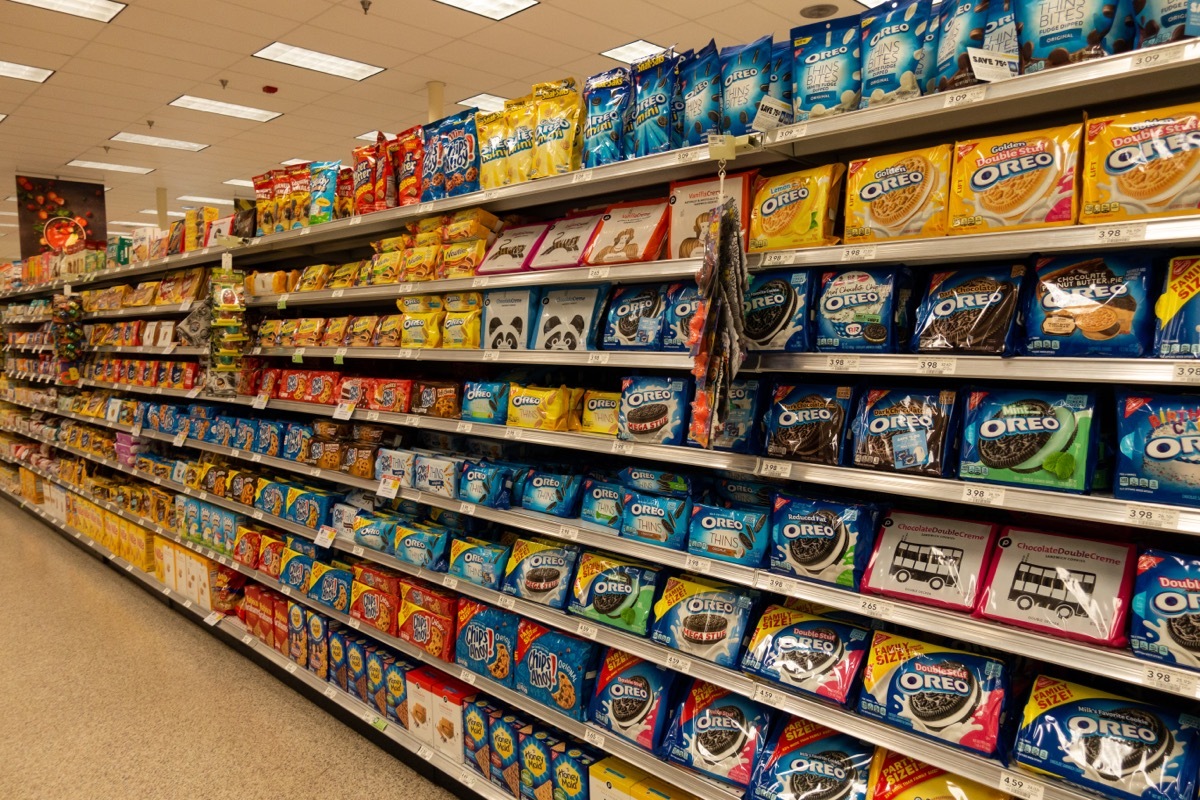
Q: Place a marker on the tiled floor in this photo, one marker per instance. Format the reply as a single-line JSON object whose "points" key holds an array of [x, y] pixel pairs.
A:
{"points": [[110, 694]]}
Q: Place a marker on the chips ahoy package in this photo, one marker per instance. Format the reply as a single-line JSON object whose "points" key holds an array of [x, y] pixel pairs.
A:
{"points": [[460, 154]]}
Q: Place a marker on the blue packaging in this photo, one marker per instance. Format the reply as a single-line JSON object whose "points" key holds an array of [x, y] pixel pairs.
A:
{"points": [[677, 104], [745, 80], [296, 439], [718, 733], [822, 540], [826, 68], [1057, 36], [603, 503], [1166, 609], [776, 310], [655, 520], [744, 493], [614, 592], [547, 661], [551, 493], [485, 484], [423, 547], [372, 530], [737, 535], [809, 653], [1162, 21], [244, 431], [269, 437], [479, 561], [960, 25], [926, 73], [633, 698], [1158, 448], [703, 618], [700, 82], [806, 754], [892, 43], [683, 303], [540, 570], [1091, 305], [605, 98], [781, 79], [654, 87], [1000, 35], [653, 410], [486, 641], [975, 310], [459, 153], [433, 184], [906, 430], [656, 481], [737, 426], [485, 401], [809, 422], [863, 310], [635, 318]]}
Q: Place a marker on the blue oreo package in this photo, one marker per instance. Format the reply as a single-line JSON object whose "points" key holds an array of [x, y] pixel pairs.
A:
{"points": [[700, 86], [656, 481], [540, 570], [801, 753], [822, 540], [960, 25], [653, 410], [745, 493], [974, 310], [485, 401], [926, 73], [479, 561], [635, 318], [912, 431], [826, 68], [485, 484], [718, 733], [424, 547], [1000, 35], [745, 81], [605, 98], [654, 89], [633, 698], [781, 78], [603, 503], [809, 422], [654, 519], [460, 153], [433, 183], [736, 535], [892, 45], [737, 428], [1166, 609], [703, 618], [677, 104], [551, 493], [776, 311], [862, 310], [683, 303], [1158, 448], [1053, 37]]}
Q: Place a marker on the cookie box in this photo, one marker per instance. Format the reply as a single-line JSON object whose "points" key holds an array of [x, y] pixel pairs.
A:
{"points": [[478, 561]]}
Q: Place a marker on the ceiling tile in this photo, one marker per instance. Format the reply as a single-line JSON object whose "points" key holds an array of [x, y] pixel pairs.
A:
{"points": [[204, 59], [427, 15], [747, 22], [520, 43], [634, 17]]}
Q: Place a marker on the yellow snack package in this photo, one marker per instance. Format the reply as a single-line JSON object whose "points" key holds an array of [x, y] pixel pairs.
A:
{"points": [[335, 331], [386, 268], [898, 777], [421, 263], [460, 329], [600, 412], [465, 230], [313, 278], [287, 332], [387, 333], [461, 259], [422, 329], [429, 225], [575, 415], [535, 407], [899, 196], [343, 275], [309, 332], [1024, 180], [491, 129], [481, 215], [393, 244], [419, 303], [362, 331], [463, 301], [268, 333], [428, 238], [795, 210], [557, 136], [1142, 164], [521, 115]]}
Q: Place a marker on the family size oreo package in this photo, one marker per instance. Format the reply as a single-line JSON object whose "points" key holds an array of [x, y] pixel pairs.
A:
{"points": [[1060, 585], [1091, 306], [975, 310], [540, 570], [703, 618], [653, 410], [1166, 609], [815, 655], [1177, 311], [605, 99], [892, 43], [569, 317], [700, 86], [895, 776], [737, 535], [615, 592], [949, 695], [862, 310], [822, 540], [937, 561], [776, 310], [809, 423], [509, 318], [1029, 437], [745, 78], [718, 733], [1107, 743], [905, 430], [826, 68], [1158, 448], [635, 318], [633, 698], [807, 761]]}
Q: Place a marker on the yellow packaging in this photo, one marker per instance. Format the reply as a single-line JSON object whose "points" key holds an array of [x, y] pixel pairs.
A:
{"points": [[309, 332], [417, 303], [795, 210], [481, 215], [521, 116], [466, 230], [313, 278], [575, 415], [386, 268], [1024, 180], [195, 226], [898, 777], [429, 225], [535, 407], [335, 331], [1142, 164], [558, 136], [393, 244], [491, 129], [900, 196], [268, 333], [422, 329], [462, 301], [600, 412], [343, 276], [287, 332], [421, 263], [460, 329], [362, 330], [461, 259], [428, 238], [387, 334]]}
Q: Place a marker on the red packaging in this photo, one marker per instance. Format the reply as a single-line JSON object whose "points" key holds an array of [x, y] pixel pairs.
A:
{"points": [[378, 579], [428, 597], [410, 161], [293, 385], [146, 374], [284, 207], [281, 623], [364, 178], [162, 373], [270, 556], [344, 197], [374, 607], [385, 178], [268, 382], [353, 390], [390, 394], [322, 387], [191, 371], [433, 633]]}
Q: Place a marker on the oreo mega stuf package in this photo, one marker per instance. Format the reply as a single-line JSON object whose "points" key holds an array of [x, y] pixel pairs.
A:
{"points": [[1029, 437], [1166, 609], [1091, 306], [891, 51], [809, 423], [653, 410], [635, 318], [540, 570], [568, 318], [862, 310], [1158, 448], [1107, 743], [905, 430], [776, 310], [949, 695], [822, 540], [818, 656], [718, 733], [615, 592], [633, 698], [807, 761], [509, 319], [975, 310], [703, 618]]}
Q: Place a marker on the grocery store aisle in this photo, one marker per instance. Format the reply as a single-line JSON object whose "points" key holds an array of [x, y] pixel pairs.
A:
{"points": [[110, 694]]}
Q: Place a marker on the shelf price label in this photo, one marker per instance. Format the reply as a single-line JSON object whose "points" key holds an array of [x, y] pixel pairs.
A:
{"points": [[791, 132], [622, 448], [841, 363], [768, 696], [568, 532], [466, 676], [480, 282], [466, 778], [330, 692], [389, 486], [858, 252], [778, 259], [775, 469], [581, 176], [597, 272], [506, 601], [290, 667], [425, 752], [983, 495], [344, 410], [1171, 680], [513, 433], [874, 607], [355, 623], [463, 427], [1157, 57], [339, 357], [179, 439], [597, 358], [937, 366], [965, 97], [325, 536], [587, 630], [771, 583], [260, 401], [1021, 786], [214, 618], [679, 663], [1186, 372], [593, 737], [1151, 516], [695, 564], [372, 416], [298, 356], [467, 508], [491, 355], [1121, 234], [281, 304], [248, 639], [449, 582]]}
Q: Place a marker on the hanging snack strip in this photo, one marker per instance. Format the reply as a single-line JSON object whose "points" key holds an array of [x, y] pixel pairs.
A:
{"points": [[228, 336], [68, 333]]}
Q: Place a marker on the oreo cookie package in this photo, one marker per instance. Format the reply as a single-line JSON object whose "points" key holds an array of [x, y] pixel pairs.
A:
{"points": [[1029, 437], [826, 68], [822, 540], [603, 503], [1118, 747], [1177, 311], [653, 410], [737, 535], [974, 310], [1050, 40], [807, 761], [1158, 448], [736, 429], [703, 618], [718, 733], [949, 695], [540, 570], [905, 430], [633, 698], [1166, 609], [815, 655], [863, 310], [635, 318], [617, 593], [808, 422], [776, 310], [892, 42], [746, 79], [684, 317], [656, 520]]}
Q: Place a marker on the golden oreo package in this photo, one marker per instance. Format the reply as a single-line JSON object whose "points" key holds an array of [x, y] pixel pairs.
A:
{"points": [[460, 329], [1024, 180], [418, 303], [521, 117], [600, 412], [1142, 164], [557, 136], [900, 196], [422, 329], [491, 129], [795, 210], [463, 301], [535, 407]]}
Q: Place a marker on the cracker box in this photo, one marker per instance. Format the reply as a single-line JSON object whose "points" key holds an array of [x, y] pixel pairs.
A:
{"points": [[656, 520], [377, 663], [477, 750], [318, 645], [718, 733], [450, 696], [900, 196], [614, 592], [478, 561], [395, 678], [818, 656], [633, 698], [298, 633], [487, 640], [538, 750], [795, 210], [555, 669], [572, 765], [358, 650], [504, 740], [737, 535], [295, 570], [339, 668], [613, 779], [540, 571], [804, 755]]}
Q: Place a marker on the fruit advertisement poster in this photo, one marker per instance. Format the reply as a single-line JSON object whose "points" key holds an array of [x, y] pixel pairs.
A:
{"points": [[53, 214]]}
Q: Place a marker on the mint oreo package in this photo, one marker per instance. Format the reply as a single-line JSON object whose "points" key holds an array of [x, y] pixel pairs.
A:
{"points": [[862, 310], [975, 310], [615, 592], [776, 310], [1158, 448], [910, 431], [809, 422], [652, 519], [1166, 609], [1029, 437], [603, 503]]}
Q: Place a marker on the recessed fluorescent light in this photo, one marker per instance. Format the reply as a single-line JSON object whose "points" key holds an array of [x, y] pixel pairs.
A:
{"points": [[240, 182], [8, 213], [371, 136], [12, 199], [484, 102], [36, 74], [228, 109], [3, 117], [628, 53], [99, 10], [294, 162], [109, 167], [169, 213], [492, 9], [6, 225], [132, 224], [191, 198], [318, 62], [157, 141]]}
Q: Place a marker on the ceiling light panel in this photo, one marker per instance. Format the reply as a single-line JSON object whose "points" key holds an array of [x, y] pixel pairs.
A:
{"points": [[227, 109], [372, 136], [99, 10], [492, 9], [157, 141], [24, 73], [240, 182], [220, 201], [109, 167], [294, 162], [484, 102], [131, 224], [628, 53], [151, 211], [8, 213], [317, 62]]}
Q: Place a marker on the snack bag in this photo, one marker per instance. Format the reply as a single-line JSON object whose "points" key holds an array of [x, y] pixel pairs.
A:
{"points": [[343, 205], [385, 175], [1052, 37], [460, 154], [433, 182], [1000, 35], [322, 180], [264, 204], [795, 210], [901, 196], [558, 137], [605, 98], [700, 86], [891, 50], [1177, 333], [492, 129], [410, 160], [301, 194], [283, 204], [521, 117], [654, 85], [364, 178], [960, 26], [745, 78], [780, 88]]}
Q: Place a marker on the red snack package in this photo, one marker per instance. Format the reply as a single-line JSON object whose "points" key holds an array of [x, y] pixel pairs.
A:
{"points": [[384, 178], [322, 387], [390, 394], [284, 208], [268, 382], [410, 162], [364, 178], [353, 390], [374, 607], [344, 196], [293, 385]]}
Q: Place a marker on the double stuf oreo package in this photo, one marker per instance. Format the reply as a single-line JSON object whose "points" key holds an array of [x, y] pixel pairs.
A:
{"points": [[811, 654], [910, 431], [808, 423], [971, 311], [807, 761], [776, 311], [1166, 609]]}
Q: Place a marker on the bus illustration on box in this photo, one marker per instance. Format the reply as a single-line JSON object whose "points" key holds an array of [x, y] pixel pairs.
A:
{"points": [[1067, 591], [936, 565]]}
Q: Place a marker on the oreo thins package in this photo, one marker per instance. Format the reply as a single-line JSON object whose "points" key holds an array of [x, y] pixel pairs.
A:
{"points": [[1029, 437], [776, 311], [1060, 585], [656, 520], [635, 318], [1158, 448], [633, 698], [809, 423], [1166, 609], [826, 68], [1053, 40], [736, 535], [804, 760], [540, 571], [821, 540], [653, 410], [508, 318], [903, 430], [603, 503], [862, 310], [718, 733], [891, 51], [936, 561], [818, 656], [945, 694], [1177, 331], [617, 593], [702, 618], [568, 317], [973, 310], [1118, 747], [1091, 306], [745, 78]]}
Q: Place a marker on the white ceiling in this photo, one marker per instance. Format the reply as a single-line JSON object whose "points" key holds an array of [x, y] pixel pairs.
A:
{"points": [[114, 77]]}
